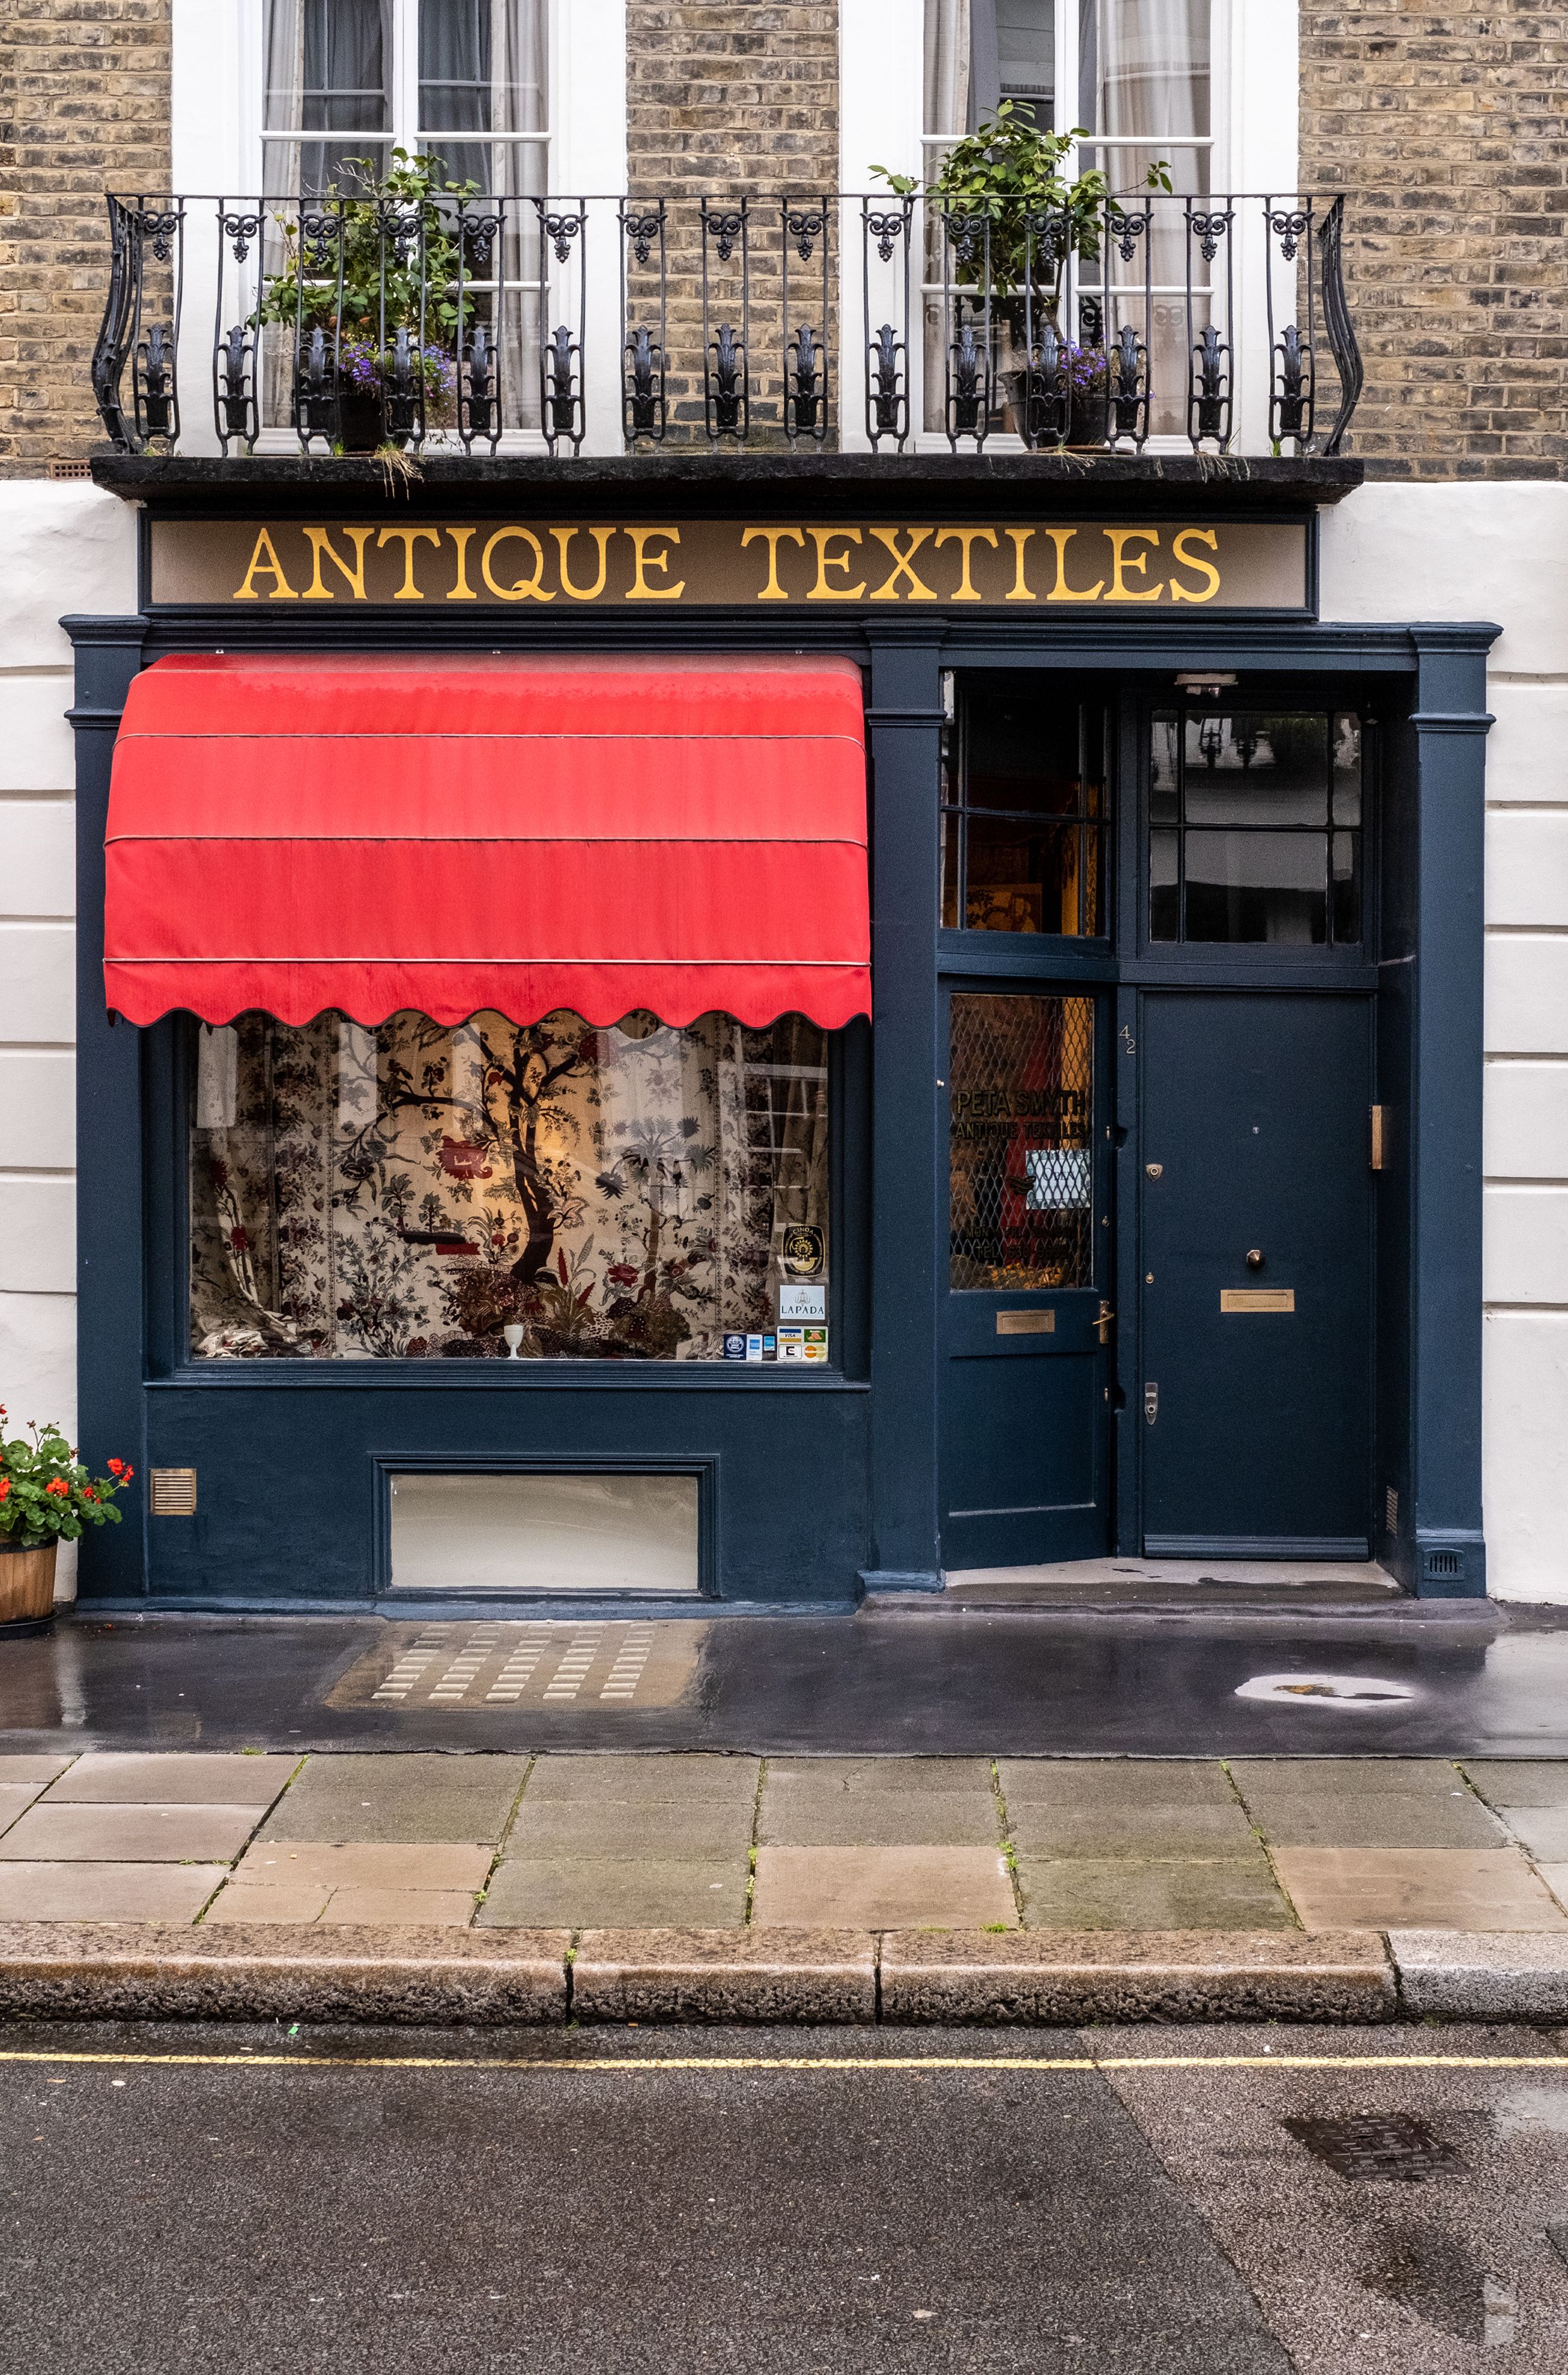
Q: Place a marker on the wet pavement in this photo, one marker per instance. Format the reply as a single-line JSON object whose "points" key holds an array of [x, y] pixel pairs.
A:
{"points": [[1119, 2202], [1455, 1679]]}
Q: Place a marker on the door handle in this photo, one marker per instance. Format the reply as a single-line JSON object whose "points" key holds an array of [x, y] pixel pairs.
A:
{"points": [[1103, 1322]]}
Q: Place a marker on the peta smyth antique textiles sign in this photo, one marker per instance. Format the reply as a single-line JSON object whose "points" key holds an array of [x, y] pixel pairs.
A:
{"points": [[1074, 566]]}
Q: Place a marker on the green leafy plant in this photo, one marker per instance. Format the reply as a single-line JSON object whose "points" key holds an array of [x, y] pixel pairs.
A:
{"points": [[1007, 173], [46, 1493], [399, 268]]}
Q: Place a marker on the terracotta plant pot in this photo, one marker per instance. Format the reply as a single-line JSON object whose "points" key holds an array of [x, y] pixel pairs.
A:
{"points": [[27, 1584]]}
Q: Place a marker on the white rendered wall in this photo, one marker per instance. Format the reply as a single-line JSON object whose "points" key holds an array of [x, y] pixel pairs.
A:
{"points": [[1499, 551], [63, 548]]}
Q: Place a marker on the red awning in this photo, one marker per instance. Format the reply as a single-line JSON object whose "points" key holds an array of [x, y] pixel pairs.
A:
{"points": [[453, 836]]}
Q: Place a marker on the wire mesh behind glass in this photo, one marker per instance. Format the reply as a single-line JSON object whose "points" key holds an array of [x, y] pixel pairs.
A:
{"points": [[1020, 1142]]}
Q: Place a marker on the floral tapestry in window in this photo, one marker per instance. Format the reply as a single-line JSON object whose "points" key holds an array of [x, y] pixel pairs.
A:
{"points": [[636, 1193]]}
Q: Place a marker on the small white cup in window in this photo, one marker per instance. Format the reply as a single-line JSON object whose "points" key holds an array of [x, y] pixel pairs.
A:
{"points": [[512, 1332]]}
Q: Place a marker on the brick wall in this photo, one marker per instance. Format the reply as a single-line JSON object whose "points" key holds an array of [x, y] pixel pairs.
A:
{"points": [[84, 105], [1449, 133], [731, 98]]}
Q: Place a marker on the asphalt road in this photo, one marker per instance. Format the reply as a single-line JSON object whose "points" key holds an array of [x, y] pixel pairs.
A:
{"points": [[770, 2201]]}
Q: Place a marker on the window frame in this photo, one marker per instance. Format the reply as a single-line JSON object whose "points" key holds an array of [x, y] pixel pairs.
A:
{"points": [[169, 1065], [1333, 962], [960, 696], [1253, 126], [404, 129]]}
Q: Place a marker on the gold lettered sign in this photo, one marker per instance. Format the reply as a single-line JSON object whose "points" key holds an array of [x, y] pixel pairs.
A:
{"points": [[1073, 569]]}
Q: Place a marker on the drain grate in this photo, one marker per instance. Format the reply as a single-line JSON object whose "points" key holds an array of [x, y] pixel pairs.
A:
{"points": [[548, 1663], [1390, 2144]]}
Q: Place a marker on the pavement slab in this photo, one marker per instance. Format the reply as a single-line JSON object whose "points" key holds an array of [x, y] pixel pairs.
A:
{"points": [[858, 1775], [879, 1818], [881, 1887], [124, 1778], [827, 1974], [1510, 1781], [1057, 1978], [1057, 1831], [1128, 1892], [364, 1863], [616, 1893], [1318, 1820], [420, 1798], [1541, 1831], [1416, 1888], [557, 1828], [15, 1797], [630, 1780], [117, 1833], [106, 1892], [1343, 1777], [1095, 1781], [31, 1771]]}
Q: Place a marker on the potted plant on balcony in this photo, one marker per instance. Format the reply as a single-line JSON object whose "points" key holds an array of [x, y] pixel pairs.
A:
{"points": [[1013, 218], [46, 1497], [368, 286]]}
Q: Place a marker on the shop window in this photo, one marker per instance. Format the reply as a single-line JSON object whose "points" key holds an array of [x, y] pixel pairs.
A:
{"points": [[544, 1533], [638, 1193], [1254, 827], [348, 80], [1023, 813]]}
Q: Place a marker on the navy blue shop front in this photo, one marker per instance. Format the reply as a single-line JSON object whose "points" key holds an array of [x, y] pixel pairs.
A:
{"points": [[816, 1484]]}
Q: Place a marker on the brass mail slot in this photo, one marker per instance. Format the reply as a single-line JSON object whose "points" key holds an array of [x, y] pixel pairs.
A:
{"points": [[1257, 1298], [1026, 1323]]}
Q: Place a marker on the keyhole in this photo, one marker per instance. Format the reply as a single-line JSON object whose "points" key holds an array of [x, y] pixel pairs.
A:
{"points": [[1255, 1258]]}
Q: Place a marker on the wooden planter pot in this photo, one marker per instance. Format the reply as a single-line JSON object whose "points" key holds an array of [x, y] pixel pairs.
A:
{"points": [[26, 1587]]}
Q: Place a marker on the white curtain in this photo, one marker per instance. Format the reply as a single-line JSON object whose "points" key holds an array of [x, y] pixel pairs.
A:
{"points": [[1149, 63], [946, 66], [482, 69], [328, 70]]}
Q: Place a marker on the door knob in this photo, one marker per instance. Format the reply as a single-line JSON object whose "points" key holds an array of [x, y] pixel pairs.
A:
{"points": [[1255, 1258], [1103, 1322]]}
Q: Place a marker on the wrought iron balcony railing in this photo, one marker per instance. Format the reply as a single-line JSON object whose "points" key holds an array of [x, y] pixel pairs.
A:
{"points": [[881, 323]]}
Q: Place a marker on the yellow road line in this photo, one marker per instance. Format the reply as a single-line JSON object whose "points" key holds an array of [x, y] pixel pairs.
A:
{"points": [[627, 2065]]}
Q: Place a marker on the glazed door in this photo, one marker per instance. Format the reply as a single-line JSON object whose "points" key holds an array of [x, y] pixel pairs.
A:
{"points": [[1025, 1422], [1256, 1275]]}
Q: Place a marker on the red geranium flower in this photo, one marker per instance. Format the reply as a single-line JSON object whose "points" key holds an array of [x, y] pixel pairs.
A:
{"points": [[57, 1484], [115, 1466], [4, 1487], [88, 1493]]}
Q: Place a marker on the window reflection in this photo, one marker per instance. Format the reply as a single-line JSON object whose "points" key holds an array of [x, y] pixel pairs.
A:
{"points": [[1255, 818], [1023, 824]]}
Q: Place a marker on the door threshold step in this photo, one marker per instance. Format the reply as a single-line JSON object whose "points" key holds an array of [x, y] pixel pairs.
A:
{"points": [[1251, 1587]]}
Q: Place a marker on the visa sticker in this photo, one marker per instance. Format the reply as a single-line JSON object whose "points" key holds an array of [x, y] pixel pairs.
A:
{"points": [[791, 1343]]}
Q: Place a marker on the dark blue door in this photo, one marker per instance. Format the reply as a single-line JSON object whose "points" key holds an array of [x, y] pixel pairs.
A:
{"points": [[1025, 1421], [1255, 1266]]}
